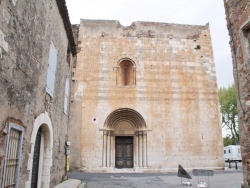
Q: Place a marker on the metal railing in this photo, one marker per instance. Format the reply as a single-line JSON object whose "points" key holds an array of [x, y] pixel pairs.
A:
{"points": [[12, 156]]}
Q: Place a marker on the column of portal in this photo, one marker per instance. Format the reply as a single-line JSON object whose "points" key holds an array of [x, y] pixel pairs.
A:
{"points": [[108, 149], [144, 135], [140, 149], [104, 149], [138, 141], [146, 149], [136, 150], [112, 146]]}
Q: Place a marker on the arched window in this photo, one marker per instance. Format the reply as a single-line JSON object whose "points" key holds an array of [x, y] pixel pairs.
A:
{"points": [[126, 73]]}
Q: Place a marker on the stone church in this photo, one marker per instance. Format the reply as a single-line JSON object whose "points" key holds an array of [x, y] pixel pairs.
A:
{"points": [[144, 98]]}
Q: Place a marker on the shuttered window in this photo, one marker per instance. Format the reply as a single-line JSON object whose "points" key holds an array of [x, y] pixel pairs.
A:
{"points": [[66, 96], [12, 156], [51, 74]]}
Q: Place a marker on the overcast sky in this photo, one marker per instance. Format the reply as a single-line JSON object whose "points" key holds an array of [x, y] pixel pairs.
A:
{"points": [[195, 12]]}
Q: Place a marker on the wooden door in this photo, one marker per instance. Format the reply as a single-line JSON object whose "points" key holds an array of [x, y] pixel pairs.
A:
{"points": [[124, 152], [35, 166]]}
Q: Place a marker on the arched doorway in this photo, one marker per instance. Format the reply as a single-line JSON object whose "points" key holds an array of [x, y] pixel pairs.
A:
{"points": [[40, 158], [124, 140], [36, 156]]}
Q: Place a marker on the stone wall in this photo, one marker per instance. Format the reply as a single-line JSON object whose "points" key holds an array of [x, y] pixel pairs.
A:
{"points": [[173, 89], [238, 19], [26, 31]]}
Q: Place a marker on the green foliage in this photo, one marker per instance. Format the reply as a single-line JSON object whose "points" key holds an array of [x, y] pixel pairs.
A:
{"points": [[228, 141], [229, 113]]}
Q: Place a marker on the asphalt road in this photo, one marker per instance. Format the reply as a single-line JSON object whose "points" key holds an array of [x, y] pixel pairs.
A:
{"points": [[230, 178]]}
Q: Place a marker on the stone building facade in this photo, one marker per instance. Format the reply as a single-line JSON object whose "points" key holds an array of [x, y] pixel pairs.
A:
{"points": [[238, 23], [37, 51], [144, 98]]}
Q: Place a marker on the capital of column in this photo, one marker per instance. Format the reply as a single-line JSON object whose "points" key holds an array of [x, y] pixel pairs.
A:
{"points": [[108, 132], [111, 133], [142, 132]]}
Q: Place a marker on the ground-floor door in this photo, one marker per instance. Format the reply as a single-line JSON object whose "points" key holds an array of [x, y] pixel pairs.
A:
{"points": [[124, 152], [35, 167]]}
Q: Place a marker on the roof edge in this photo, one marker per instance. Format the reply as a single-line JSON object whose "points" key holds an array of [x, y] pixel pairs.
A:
{"points": [[143, 22], [62, 7]]}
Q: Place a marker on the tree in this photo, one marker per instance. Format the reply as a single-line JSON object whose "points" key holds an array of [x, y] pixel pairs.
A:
{"points": [[228, 141], [229, 113]]}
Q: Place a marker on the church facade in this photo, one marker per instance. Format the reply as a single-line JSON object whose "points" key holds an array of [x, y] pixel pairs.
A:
{"points": [[144, 98]]}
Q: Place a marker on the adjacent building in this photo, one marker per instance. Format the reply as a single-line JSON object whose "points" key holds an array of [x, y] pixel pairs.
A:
{"points": [[37, 51], [144, 98], [238, 24]]}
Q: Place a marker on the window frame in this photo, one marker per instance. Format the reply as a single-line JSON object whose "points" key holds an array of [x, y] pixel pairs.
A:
{"points": [[19, 151], [245, 41], [126, 75]]}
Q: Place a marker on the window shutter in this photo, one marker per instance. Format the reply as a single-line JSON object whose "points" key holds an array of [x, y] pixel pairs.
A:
{"points": [[51, 73], [66, 96]]}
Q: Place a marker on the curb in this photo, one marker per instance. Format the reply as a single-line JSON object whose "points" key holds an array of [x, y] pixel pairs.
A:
{"points": [[70, 183], [82, 185]]}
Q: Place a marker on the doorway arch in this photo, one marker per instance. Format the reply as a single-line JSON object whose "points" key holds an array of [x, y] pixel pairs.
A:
{"points": [[41, 142], [126, 129]]}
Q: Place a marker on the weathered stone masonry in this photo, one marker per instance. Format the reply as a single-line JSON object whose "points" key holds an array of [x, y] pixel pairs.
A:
{"points": [[26, 31], [238, 23], [151, 84]]}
